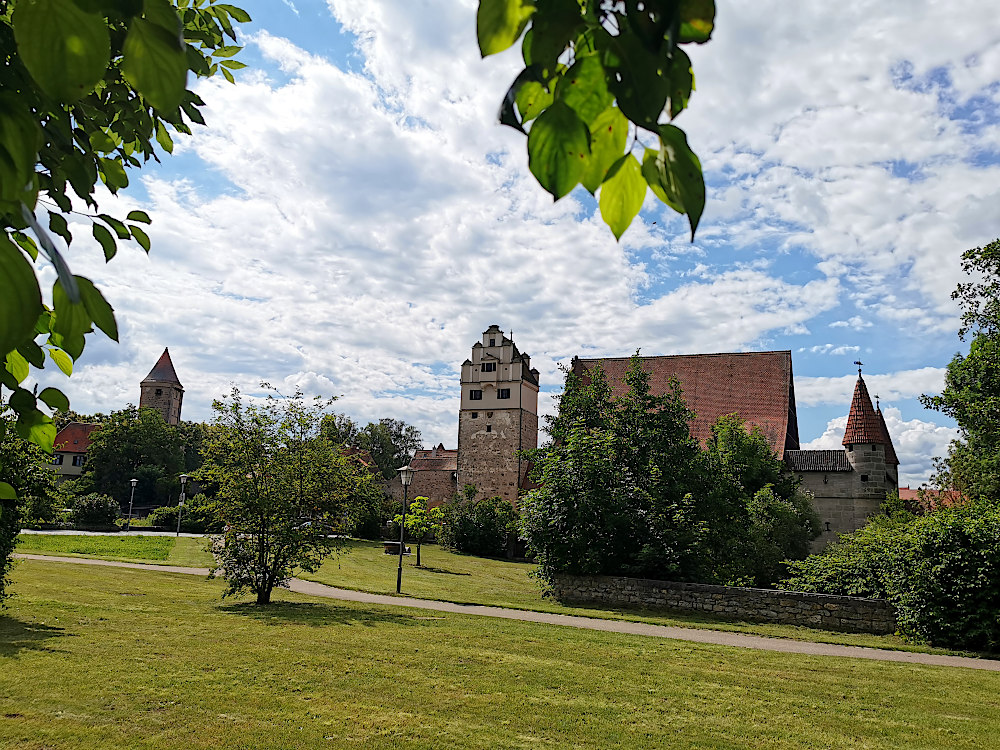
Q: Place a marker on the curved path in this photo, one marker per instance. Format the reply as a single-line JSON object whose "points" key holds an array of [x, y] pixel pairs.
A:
{"points": [[714, 637]]}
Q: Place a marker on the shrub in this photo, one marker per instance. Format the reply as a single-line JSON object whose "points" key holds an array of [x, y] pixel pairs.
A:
{"points": [[200, 516], [941, 571], [479, 527], [95, 510], [39, 509]]}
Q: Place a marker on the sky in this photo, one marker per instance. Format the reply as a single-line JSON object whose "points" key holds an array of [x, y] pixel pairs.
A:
{"points": [[353, 217]]}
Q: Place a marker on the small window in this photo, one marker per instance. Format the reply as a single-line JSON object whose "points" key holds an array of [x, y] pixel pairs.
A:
{"points": [[57, 459], [475, 415], [159, 391], [489, 428], [828, 526], [475, 395], [493, 342], [864, 477], [489, 366], [78, 460], [503, 393]]}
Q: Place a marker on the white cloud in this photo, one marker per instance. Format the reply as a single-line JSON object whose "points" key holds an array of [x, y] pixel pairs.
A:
{"points": [[855, 323], [890, 386], [838, 350]]}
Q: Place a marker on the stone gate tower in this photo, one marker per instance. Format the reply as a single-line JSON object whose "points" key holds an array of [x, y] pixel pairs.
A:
{"points": [[162, 390], [497, 418]]}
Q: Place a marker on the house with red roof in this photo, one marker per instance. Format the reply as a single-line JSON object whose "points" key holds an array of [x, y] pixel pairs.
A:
{"points": [[70, 450]]}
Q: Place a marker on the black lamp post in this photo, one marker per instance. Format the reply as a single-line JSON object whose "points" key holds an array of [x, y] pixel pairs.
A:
{"points": [[131, 498], [405, 477], [180, 503]]}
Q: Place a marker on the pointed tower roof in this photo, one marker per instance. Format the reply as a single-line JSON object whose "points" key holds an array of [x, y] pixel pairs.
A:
{"points": [[863, 424], [163, 370], [890, 452]]}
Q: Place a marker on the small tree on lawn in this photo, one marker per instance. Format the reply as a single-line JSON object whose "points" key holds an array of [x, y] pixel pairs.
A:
{"points": [[284, 491], [421, 521]]}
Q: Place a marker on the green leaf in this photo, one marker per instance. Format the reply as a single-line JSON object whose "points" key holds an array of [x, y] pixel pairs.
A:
{"points": [[651, 172], [677, 172], [37, 428], [20, 139], [113, 173], [102, 235], [101, 141], [681, 79], [17, 365], [622, 194], [238, 14], [98, 309], [65, 49], [233, 64], [20, 297], [120, 229], [583, 88], [22, 401], [57, 223], [226, 51], [27, 244], [553, 25], [636, 77], [139, 216], [141, 237], [227, 75], [7, 492], [499, 23], [71, 322], [163, 138], [608, 133], [558, 147], [532, 98], [697, 21], [54, 399], [155, 63], [62, 360], [32, 353]]}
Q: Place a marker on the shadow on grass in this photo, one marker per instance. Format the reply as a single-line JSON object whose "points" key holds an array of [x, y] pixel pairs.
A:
{"points": [[442, 570], [16, 635], [315, 614]]}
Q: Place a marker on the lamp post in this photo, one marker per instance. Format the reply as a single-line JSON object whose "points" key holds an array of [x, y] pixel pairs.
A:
{"points": [[180, 503], [405, 477], [128, 524]]}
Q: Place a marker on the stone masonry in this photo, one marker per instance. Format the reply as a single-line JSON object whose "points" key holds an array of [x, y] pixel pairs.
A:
{"points": [[843, 613]]}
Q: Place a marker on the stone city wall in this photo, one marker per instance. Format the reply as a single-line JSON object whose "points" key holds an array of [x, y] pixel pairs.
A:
{"points": [[842, 613]]}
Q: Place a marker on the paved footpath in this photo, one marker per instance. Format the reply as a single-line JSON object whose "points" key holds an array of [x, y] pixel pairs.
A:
{"points": [[714, 637]]}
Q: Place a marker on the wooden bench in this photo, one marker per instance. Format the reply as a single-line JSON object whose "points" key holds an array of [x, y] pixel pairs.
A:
{"points": [[392, 548]]}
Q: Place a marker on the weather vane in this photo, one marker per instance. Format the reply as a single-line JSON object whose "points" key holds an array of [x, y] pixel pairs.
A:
{"points": [[858, 362]]}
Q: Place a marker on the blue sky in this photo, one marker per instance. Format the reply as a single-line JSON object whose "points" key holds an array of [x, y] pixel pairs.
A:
{"points": [[352, 217]]}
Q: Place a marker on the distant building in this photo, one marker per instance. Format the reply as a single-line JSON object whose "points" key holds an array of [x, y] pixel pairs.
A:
{"points": [[162, 390], [70, 450], [435, 476]]}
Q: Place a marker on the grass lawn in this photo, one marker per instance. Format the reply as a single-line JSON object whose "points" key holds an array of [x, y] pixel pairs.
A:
{"points": [[166, 550], [465, 579], [108, 658]]}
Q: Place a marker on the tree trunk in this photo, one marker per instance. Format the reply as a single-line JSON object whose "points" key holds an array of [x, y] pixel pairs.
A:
{"points": [[264, 596]]}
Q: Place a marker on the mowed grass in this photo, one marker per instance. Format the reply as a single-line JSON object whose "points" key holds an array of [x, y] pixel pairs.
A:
{"points": [[111, 658], [445, 575], [187, 551]]}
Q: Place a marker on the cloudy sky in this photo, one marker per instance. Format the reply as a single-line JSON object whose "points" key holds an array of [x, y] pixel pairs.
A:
{"points": [[352, 217]]}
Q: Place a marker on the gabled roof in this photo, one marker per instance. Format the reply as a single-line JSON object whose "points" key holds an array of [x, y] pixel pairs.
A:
{"points": [[360, 455], [74, 437], [756, 385], [163, 370], [863, 425], [435, 459], [828, 461], [890, 452]]}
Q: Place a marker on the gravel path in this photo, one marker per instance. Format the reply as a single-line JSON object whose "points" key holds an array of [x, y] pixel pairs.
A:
{"points": [[714, 637]]}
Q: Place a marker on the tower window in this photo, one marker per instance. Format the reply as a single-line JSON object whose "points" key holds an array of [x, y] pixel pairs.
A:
{"points": [[489, 366], [475, 415], [493, 342], [864, 477], [503, 393], [159, 391], [828, 526], [475, 395], [489, 428]]}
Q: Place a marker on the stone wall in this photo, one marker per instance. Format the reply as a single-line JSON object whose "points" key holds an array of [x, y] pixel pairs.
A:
{"points": [[164, 397], [487, 451], [842, 613]]}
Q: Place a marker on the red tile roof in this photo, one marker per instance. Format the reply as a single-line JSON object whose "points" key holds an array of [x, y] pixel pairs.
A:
{"points": [[74, 437], [930, 499], [435, 459], [163, 370], [890, 452], [756, 385], [360, 455], [863, 423]]}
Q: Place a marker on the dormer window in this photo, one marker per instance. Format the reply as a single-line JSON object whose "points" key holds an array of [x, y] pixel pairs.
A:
{"points": [[489, 366]]}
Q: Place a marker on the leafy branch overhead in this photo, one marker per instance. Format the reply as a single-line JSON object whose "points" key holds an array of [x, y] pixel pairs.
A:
{"points": [[599, 78], [90, 90]]}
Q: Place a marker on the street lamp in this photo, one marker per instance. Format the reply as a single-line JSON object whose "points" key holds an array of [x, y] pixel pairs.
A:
{"points": [[180, 503], [405, 477], [128, 525]]}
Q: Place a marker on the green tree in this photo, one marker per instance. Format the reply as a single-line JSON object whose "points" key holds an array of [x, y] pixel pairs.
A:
{"points": [[134, 444], [599, 78], [971, 394], [340, 429], [391, 443], [482, 527], [23, 476], [421, 521], [89, 91], [284, 492]]}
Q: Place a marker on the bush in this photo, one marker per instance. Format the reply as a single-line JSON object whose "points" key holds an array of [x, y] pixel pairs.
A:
{"points": [[95, 510], [479, 527], [37, 509], [941, 571], [200, 516]]}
